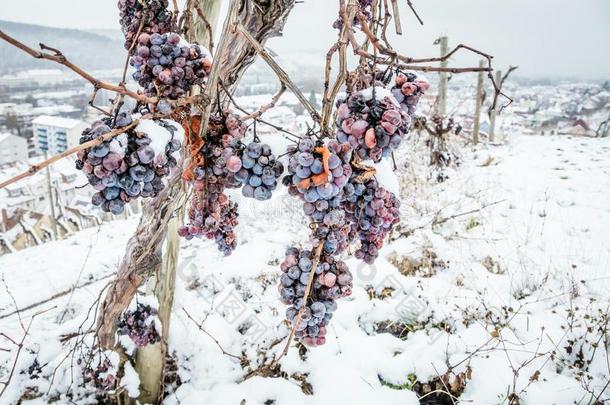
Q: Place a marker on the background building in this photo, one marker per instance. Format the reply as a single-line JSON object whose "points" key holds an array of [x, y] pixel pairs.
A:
{"points": [[13, 148], [56, 134]]}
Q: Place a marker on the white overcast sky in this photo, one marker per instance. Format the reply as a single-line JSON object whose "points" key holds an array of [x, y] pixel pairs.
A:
{"points": [[544, 37]]}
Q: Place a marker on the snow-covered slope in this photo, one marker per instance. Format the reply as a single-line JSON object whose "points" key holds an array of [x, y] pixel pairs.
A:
{"points": [[493, 284]]}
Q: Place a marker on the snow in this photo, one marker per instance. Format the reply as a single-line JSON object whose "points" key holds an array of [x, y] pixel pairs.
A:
{"points": [[521, 239], [131, 381], [58, 122], [159, 135], [380, 93], [5, 135]]}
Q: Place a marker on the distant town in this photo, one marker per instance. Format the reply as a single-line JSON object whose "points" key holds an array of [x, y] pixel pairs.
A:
{"points": [[44, 111]]}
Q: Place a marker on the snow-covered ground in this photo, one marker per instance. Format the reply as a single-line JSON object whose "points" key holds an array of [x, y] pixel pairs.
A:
{"points": [[498, 284]]}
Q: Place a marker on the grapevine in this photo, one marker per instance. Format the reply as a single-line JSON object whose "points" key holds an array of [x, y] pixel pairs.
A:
{"points": [[330, 169]]}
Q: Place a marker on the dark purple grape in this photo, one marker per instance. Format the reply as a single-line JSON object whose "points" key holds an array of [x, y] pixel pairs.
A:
{"points": [[124, 167], [139, 325], [318, 310]]}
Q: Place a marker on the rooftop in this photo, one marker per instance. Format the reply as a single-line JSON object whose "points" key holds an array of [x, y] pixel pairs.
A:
{"points": [[56, 121], [5, 135]]}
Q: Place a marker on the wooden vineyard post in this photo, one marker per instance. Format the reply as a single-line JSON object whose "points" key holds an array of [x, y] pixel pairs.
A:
{"points": [[494, 114], [51, 201], [478, 103], [150, 360], [443, 79]]}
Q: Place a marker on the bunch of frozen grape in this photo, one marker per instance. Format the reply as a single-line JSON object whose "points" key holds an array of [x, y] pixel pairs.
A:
{"points": [[372, 211], [333, 232], [258, 170], [127, 166], [222, 150], [212, 214], [331, 280], [139, 325], [100, 374], [318, 172], [144, 16], [169, 67], [372, 122], [408, 89]]}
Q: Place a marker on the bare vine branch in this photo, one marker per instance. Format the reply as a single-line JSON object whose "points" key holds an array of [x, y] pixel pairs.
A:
{"points": [[280, 73], [97, 141], [59, 57], [263, 109]]}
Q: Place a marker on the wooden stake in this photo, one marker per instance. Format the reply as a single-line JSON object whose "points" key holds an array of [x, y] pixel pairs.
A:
{"points": [[51, 201], [494, 112], [150, 360], [396, 13], [478, 102], [443, 79]]}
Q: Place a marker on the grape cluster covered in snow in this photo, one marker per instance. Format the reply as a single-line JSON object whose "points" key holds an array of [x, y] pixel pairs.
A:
{"points": [[99, 373], [147, 16], [372, 122], [169, 67], [139, 325], [372, 211], [318, 172], [331, 281], [129, 165], [407, 89], [211, 213]]}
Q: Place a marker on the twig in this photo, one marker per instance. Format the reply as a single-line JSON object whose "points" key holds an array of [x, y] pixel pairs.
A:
{"points": [[415, 12], [131, 47], [267, 107], [208, 28], [347, 14], [92, 103], [461, 214], [410, 63], [58, 57], [281, 74], [17, 310], [276, 127], [444, 384], [36, 168], [56, 296], [511, 69], [200, 327], [435, 221]]}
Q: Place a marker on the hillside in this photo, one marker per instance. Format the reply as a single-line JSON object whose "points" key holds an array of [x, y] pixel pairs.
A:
{"points": [[86, 49], [499, 286]]}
